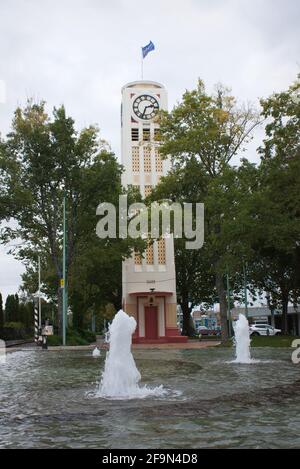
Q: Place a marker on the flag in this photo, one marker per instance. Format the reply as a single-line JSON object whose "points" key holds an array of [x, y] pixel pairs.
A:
{"points": [[148, 48]]}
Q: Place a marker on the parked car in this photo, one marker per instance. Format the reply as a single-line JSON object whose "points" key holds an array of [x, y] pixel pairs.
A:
{"points": [[263, 329], [203, 330]]}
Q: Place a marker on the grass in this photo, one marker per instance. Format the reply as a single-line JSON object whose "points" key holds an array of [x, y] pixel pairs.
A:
{"points": [[273, 341], [264, 341]]}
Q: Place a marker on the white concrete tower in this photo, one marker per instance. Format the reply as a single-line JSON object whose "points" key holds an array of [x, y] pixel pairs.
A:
{"points": [[149, 283]]}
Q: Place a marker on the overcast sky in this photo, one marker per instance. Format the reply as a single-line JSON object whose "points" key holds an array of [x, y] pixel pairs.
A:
{"points": [[81, 52]]}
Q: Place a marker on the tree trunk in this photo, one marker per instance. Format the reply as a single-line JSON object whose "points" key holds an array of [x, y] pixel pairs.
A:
{"points": [[186, 319], [223, 305], [1, 314], [285, 300], [78, 317]]}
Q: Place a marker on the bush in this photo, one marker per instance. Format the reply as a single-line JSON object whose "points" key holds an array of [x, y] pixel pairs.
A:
{"points": [[14, 325], [54, 340], [87, 335], [74, 337], [16, 331]]}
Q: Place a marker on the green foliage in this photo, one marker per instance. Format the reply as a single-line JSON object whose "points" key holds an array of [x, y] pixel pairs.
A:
{"points": [[1, 313], [273, 341], [26, 314], [54, 340], [275, 267], [202, 134], [82, 337], [251, 212], [14, 325], [74, 338], [16, 311], [15, 331], [12, 308], [281, 341], [87, 335], [210, 128], [44, 159]]}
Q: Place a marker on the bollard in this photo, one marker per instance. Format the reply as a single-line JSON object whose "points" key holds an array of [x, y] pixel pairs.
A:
{"points": [[36, 322]]}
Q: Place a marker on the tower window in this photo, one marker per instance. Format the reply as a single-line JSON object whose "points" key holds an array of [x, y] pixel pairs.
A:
{"points": [[135, 134], [146, 135], [161, 246], [135, 159], [150, 254], [148, 190], [147, 159], [137, 258], [158, 162], [157, 135]]}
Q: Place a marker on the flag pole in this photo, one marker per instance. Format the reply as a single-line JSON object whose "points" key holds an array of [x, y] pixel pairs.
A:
{"points": [[142, 71]]}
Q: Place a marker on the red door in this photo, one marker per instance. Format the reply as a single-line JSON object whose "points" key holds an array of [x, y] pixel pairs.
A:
{"points": [[151, 322]]}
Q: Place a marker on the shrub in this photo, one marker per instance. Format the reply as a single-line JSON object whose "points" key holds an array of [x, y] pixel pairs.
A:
{"points": [[16, 331], [74, 337], [54, 340], [87, 335]]}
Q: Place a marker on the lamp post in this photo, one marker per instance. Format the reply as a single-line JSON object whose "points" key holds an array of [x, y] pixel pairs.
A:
{"points": [[228, 305], [64, 279], [151, 298], [245, 290]]}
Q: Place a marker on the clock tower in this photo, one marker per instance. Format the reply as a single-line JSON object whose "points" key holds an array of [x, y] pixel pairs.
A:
{"points": [[148, 281]]}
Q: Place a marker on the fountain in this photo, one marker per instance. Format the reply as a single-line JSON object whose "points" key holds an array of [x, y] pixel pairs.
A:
{"points": [[242, 340], [121, 377], [96, 352]]}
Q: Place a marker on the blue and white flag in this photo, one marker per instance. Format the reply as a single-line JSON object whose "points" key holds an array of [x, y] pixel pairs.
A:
{"points": [[148, 48]]}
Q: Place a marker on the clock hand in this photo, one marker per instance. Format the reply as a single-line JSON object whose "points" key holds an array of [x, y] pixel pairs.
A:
{"points": [[146, 107]]}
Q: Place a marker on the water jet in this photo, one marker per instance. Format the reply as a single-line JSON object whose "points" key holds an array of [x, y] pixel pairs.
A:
{"points": [[242, 340], [121, 377]]}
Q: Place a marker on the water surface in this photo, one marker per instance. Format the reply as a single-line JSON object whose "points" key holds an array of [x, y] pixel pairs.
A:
{"points": [[47, 400]]}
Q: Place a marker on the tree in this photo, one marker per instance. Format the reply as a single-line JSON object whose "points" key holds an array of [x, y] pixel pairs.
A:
{"points": [[194, 277], [94, 277], [207, 131], [46, 157], [43, 160], [276, 269], [1, 314], [12, 308]]}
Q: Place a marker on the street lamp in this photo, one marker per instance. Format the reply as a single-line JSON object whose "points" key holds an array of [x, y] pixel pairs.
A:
{"points": [[151, 298], [64, 279], [245, 290]]}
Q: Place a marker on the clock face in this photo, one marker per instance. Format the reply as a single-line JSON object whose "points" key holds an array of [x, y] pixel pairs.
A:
{"points": [[145, 106]]}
